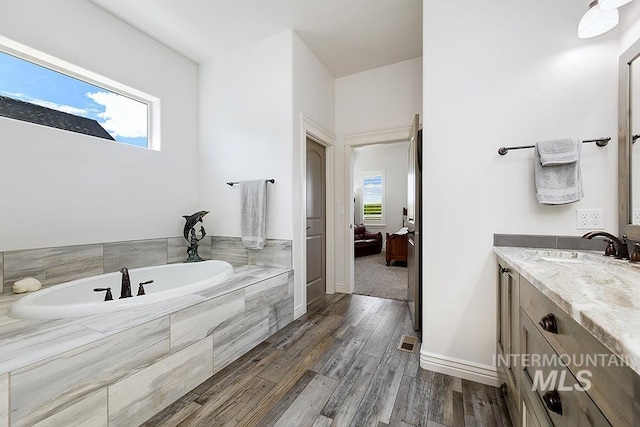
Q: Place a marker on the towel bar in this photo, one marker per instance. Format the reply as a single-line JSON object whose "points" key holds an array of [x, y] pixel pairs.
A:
{"points": [[600, 142], [232, 183]]}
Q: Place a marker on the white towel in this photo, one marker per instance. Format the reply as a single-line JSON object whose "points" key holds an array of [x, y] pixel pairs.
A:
{"points": [[253, 213], [558, 180]]}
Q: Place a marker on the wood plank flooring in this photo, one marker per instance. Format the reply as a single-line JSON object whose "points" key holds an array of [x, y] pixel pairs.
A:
{"points": [[338, 365]]}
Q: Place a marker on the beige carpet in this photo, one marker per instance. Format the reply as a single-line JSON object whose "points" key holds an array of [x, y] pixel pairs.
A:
{"points": [[374, 278]]}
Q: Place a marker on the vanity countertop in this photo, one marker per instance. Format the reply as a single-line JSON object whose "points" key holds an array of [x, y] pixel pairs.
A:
{"points": [[600, 293], [23, 342]]}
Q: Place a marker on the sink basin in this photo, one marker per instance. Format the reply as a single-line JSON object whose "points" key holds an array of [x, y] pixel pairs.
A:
{"points": [[560, 259], [561, 256]]}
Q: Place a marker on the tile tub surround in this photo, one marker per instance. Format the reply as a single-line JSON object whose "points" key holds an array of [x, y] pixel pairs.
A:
{"points": [[52, 265], [4, 400], [93, 367], [601, 294], [57, 265], [276, 253]]}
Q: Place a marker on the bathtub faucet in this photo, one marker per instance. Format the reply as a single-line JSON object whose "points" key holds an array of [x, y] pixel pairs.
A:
{"points": [[125, 288]]}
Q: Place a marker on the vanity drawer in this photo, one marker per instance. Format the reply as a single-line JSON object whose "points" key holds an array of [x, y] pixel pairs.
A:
{"points": [[612, 386], [553, 394]]}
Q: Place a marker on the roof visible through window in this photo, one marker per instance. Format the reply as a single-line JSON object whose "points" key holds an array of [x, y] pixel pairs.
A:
{"points": [[34, 93]]}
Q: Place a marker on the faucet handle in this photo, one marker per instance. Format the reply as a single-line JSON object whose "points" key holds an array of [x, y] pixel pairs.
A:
{"points": [[611, 249], [108, 296], [635, 256], [141, 288]]}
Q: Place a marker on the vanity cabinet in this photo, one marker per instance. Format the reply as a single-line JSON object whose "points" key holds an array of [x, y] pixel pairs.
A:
{"points": [[553, 371], [554, 395], [508, 334], [547, 329]]}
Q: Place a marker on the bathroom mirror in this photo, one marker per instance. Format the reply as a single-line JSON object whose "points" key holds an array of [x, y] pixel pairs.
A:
{"points": [[629, 142]]}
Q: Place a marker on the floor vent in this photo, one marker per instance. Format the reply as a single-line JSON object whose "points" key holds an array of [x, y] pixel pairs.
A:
{"points": [[408, 343]]}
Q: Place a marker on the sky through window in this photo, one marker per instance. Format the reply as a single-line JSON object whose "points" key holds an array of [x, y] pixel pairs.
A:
{"points": [[124, 118]]}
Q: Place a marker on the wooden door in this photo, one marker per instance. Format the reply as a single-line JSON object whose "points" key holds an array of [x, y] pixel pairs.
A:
{"points": [[315, 184]]}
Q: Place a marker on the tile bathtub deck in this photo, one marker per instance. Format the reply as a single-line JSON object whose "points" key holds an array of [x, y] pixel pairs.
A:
{"points": [[23, 342]]}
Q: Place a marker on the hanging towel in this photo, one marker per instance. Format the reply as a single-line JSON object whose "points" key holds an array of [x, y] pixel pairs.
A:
{"points": [[558, 151], [557, 171], [253, 213]]}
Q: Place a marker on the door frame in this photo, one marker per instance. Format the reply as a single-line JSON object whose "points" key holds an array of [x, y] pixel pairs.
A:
{"points": [[351, 141], [314, 131]]}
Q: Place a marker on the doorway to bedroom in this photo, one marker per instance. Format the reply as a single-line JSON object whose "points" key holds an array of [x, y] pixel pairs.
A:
{"points": [[379, 177]]}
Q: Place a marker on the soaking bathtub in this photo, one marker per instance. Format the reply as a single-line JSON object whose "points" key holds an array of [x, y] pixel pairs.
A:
{"points": [[78, 298]]}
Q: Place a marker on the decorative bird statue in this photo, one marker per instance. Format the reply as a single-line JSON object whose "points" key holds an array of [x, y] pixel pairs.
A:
{"points": [[191, 221]]}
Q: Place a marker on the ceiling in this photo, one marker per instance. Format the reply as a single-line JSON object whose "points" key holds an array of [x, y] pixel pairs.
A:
{"points": [[347, 36]]}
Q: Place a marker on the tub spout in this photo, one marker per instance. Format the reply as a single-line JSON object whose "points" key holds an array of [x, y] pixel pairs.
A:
{"points": [[125, 287]]}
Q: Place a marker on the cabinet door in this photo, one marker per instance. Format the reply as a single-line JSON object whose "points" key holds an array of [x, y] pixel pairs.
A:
{"points": [[552, 386], [529, 418], [508, 332]]}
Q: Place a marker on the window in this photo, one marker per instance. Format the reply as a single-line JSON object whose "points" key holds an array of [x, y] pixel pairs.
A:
{"points": [[373, 197], [45, 91]]}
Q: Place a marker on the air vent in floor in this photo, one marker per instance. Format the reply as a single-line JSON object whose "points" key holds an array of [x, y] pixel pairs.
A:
{"points": [[408, 343]]}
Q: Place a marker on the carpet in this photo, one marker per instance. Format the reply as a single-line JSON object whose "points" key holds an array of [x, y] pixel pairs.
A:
{"points": [[374, 278]]}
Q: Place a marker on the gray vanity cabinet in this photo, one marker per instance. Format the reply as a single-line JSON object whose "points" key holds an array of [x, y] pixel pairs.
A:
{"points": [[609, 397], [508, 334]]}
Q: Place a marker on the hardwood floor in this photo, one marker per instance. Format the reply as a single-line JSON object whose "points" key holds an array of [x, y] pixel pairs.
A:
{"points": [[339, 364]]}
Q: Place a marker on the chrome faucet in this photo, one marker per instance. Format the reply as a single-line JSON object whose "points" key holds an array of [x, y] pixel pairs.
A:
{"points": [[125, 287], [622, 251]]}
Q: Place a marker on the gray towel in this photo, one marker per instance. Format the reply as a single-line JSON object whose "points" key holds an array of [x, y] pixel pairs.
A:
{"points": [[558, 151], [559, 180], [253, 213]]}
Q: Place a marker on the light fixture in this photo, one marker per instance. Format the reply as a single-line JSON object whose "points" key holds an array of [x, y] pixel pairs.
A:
{"points": [[597, 21], [611, 4]]}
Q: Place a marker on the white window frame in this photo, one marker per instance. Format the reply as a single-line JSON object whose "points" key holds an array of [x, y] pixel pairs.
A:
{"points": [[48, 61], [373, 219]]}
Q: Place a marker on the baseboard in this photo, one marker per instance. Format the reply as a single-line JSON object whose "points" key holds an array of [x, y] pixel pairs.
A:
{"points": [[341, 288], [299, 311], [464, 369]]}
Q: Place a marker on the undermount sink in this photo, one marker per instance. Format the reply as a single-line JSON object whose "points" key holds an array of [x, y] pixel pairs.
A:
{"points": [[558, 259], [561, 256]]}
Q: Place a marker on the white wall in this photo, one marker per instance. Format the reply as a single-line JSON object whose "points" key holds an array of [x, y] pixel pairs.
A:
{"points": [[246, 133], [62, 188], [506, 73], [629, 27], [250, 106], [393, 160], [382, 98], [313, 97]]}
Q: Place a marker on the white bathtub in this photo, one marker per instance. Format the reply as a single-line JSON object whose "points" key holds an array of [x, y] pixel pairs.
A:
{"points": [[77, 298]]}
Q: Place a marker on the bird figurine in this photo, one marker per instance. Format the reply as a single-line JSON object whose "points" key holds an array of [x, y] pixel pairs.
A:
{"points": [[191, 221]]}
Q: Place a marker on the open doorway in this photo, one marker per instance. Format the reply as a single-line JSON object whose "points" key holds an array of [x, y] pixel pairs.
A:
{"points": [[379, 182]]}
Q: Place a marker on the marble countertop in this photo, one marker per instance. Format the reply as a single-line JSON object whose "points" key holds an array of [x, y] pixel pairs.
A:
{"points": [[23, 342], [600, 293]]}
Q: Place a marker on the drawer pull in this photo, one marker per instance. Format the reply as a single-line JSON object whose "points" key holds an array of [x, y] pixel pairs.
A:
{"points": [[552, 400], [504, 270], [548, 323], [504, 389]]}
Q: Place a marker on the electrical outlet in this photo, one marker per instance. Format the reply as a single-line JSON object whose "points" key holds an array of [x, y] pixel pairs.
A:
{"points": [[635, 219], [591, 219]]}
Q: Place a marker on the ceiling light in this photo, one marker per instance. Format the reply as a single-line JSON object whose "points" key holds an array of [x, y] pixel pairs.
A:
{"points": [[597, 21], [611, 4]]}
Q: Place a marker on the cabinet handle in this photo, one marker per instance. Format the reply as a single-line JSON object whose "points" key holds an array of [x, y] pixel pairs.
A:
{"points": [[504, 270], [548, 323], [552, 400], [504, 389]]}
